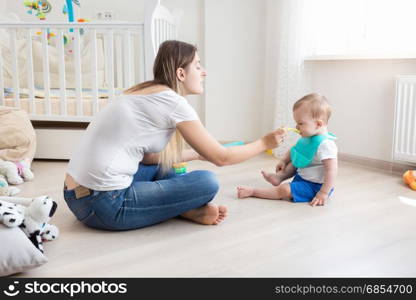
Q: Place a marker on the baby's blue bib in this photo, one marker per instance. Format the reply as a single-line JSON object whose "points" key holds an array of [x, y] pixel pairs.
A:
{"points": [[305, 149]]}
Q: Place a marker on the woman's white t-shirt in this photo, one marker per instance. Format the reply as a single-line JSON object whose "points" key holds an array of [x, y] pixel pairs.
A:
{"points": [[121, 133]]}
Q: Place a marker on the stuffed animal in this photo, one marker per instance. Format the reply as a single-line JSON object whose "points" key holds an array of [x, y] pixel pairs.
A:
{"points": [[32, 219], [50, 232], [5, 189], [11, 214], [409, 178], [16, 172]]}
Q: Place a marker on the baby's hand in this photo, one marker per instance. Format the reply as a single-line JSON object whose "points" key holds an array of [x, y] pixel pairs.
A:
{"points": [[281, 165], [319, 199]]}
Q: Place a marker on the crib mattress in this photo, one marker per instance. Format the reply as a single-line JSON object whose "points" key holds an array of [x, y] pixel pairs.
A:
{"points": [[71, 105]]}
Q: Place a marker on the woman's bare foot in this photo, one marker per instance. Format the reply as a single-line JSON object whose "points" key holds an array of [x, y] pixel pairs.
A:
{"points": [[244, 191], [209, 214], [273, 178]]}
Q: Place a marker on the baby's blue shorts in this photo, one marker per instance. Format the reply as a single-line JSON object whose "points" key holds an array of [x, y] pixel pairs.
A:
{"points": [[303, 190]]}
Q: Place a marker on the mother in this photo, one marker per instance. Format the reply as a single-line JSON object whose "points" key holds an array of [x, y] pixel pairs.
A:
{"points": [[121, 175]]}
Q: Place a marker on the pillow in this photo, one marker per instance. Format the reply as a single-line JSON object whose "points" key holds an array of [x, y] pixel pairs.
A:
{"points": [[17, 253], [17, 136]]}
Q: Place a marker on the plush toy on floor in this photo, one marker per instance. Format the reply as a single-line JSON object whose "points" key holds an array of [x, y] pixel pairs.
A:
{"points": [[11, 214], [5, 189], [32, 219], [16, 172], [409, 178], [50, 232]]}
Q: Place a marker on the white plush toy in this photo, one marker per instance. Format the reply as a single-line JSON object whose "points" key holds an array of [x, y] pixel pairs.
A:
{"points": [[50, 232], [32, 219], [5, 189], [16, 172]]}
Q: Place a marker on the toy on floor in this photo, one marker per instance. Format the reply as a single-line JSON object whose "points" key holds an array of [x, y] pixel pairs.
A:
{"points": [[180, 168], [5, 189], [50, 232], [32, 219], [409, 178], [16, 172], [232, 144]]}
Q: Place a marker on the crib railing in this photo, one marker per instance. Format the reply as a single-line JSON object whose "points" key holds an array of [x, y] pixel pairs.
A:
{"points": [[121, 40]]}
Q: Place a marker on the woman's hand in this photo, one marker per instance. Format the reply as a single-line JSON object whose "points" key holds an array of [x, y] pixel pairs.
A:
{"points": [[209, 149], [274, 138]]}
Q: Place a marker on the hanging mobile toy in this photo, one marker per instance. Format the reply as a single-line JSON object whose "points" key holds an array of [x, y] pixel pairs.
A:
{"points": [[69, 9], [40, 7]]}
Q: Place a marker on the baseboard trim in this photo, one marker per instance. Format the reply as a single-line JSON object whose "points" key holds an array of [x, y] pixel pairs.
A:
{"points": [[392, 167]]}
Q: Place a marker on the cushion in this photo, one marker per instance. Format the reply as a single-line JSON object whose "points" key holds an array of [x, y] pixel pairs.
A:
{"points": [[17, 254], [17, 136]]}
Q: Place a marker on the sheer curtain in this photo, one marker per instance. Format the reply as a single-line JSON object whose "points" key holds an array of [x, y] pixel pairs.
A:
{"points": [[286, 80]]}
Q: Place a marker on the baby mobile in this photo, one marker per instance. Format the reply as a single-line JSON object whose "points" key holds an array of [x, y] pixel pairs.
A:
{"points": [[40, 8]]}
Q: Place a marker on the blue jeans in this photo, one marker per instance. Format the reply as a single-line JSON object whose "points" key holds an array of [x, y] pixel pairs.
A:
{"points": [[150, 199]]}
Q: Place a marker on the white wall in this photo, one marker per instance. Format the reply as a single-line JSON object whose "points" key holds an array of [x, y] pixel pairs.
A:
{"points": [[362, 96], [234, 59], [191, 30]]}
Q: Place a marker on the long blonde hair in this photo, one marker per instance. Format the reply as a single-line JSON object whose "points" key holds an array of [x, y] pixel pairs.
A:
{"points": [[171, 56]]}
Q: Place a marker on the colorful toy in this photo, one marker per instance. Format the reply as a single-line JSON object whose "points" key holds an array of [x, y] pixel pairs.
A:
{"points": [[232, 144], [180, 168], [69, 9], [409, 177], [40, 7]]}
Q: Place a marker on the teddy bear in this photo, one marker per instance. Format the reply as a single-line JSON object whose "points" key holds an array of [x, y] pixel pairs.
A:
{"points": [[16, 172], [409, 178], [32, 219], [5, 189]]}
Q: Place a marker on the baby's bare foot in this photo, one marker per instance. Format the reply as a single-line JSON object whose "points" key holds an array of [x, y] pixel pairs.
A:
{"points": [[273, 178], [209, 214], [244, 191]]}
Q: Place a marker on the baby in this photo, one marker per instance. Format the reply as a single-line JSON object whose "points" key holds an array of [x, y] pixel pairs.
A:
{"points": [[313, 160]]}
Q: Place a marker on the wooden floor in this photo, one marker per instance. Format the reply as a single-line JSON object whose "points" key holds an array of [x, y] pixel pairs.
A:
{"points": [[363, 231]]}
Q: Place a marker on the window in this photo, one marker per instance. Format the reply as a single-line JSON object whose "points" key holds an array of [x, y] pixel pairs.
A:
{"points": [[360, 27]]}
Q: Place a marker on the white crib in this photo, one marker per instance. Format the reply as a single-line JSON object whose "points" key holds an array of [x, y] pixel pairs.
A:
{"points": [[62, 81]]}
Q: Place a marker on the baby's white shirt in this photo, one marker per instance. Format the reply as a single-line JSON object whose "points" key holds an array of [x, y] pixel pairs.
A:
{"points": [[315, 172]]}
